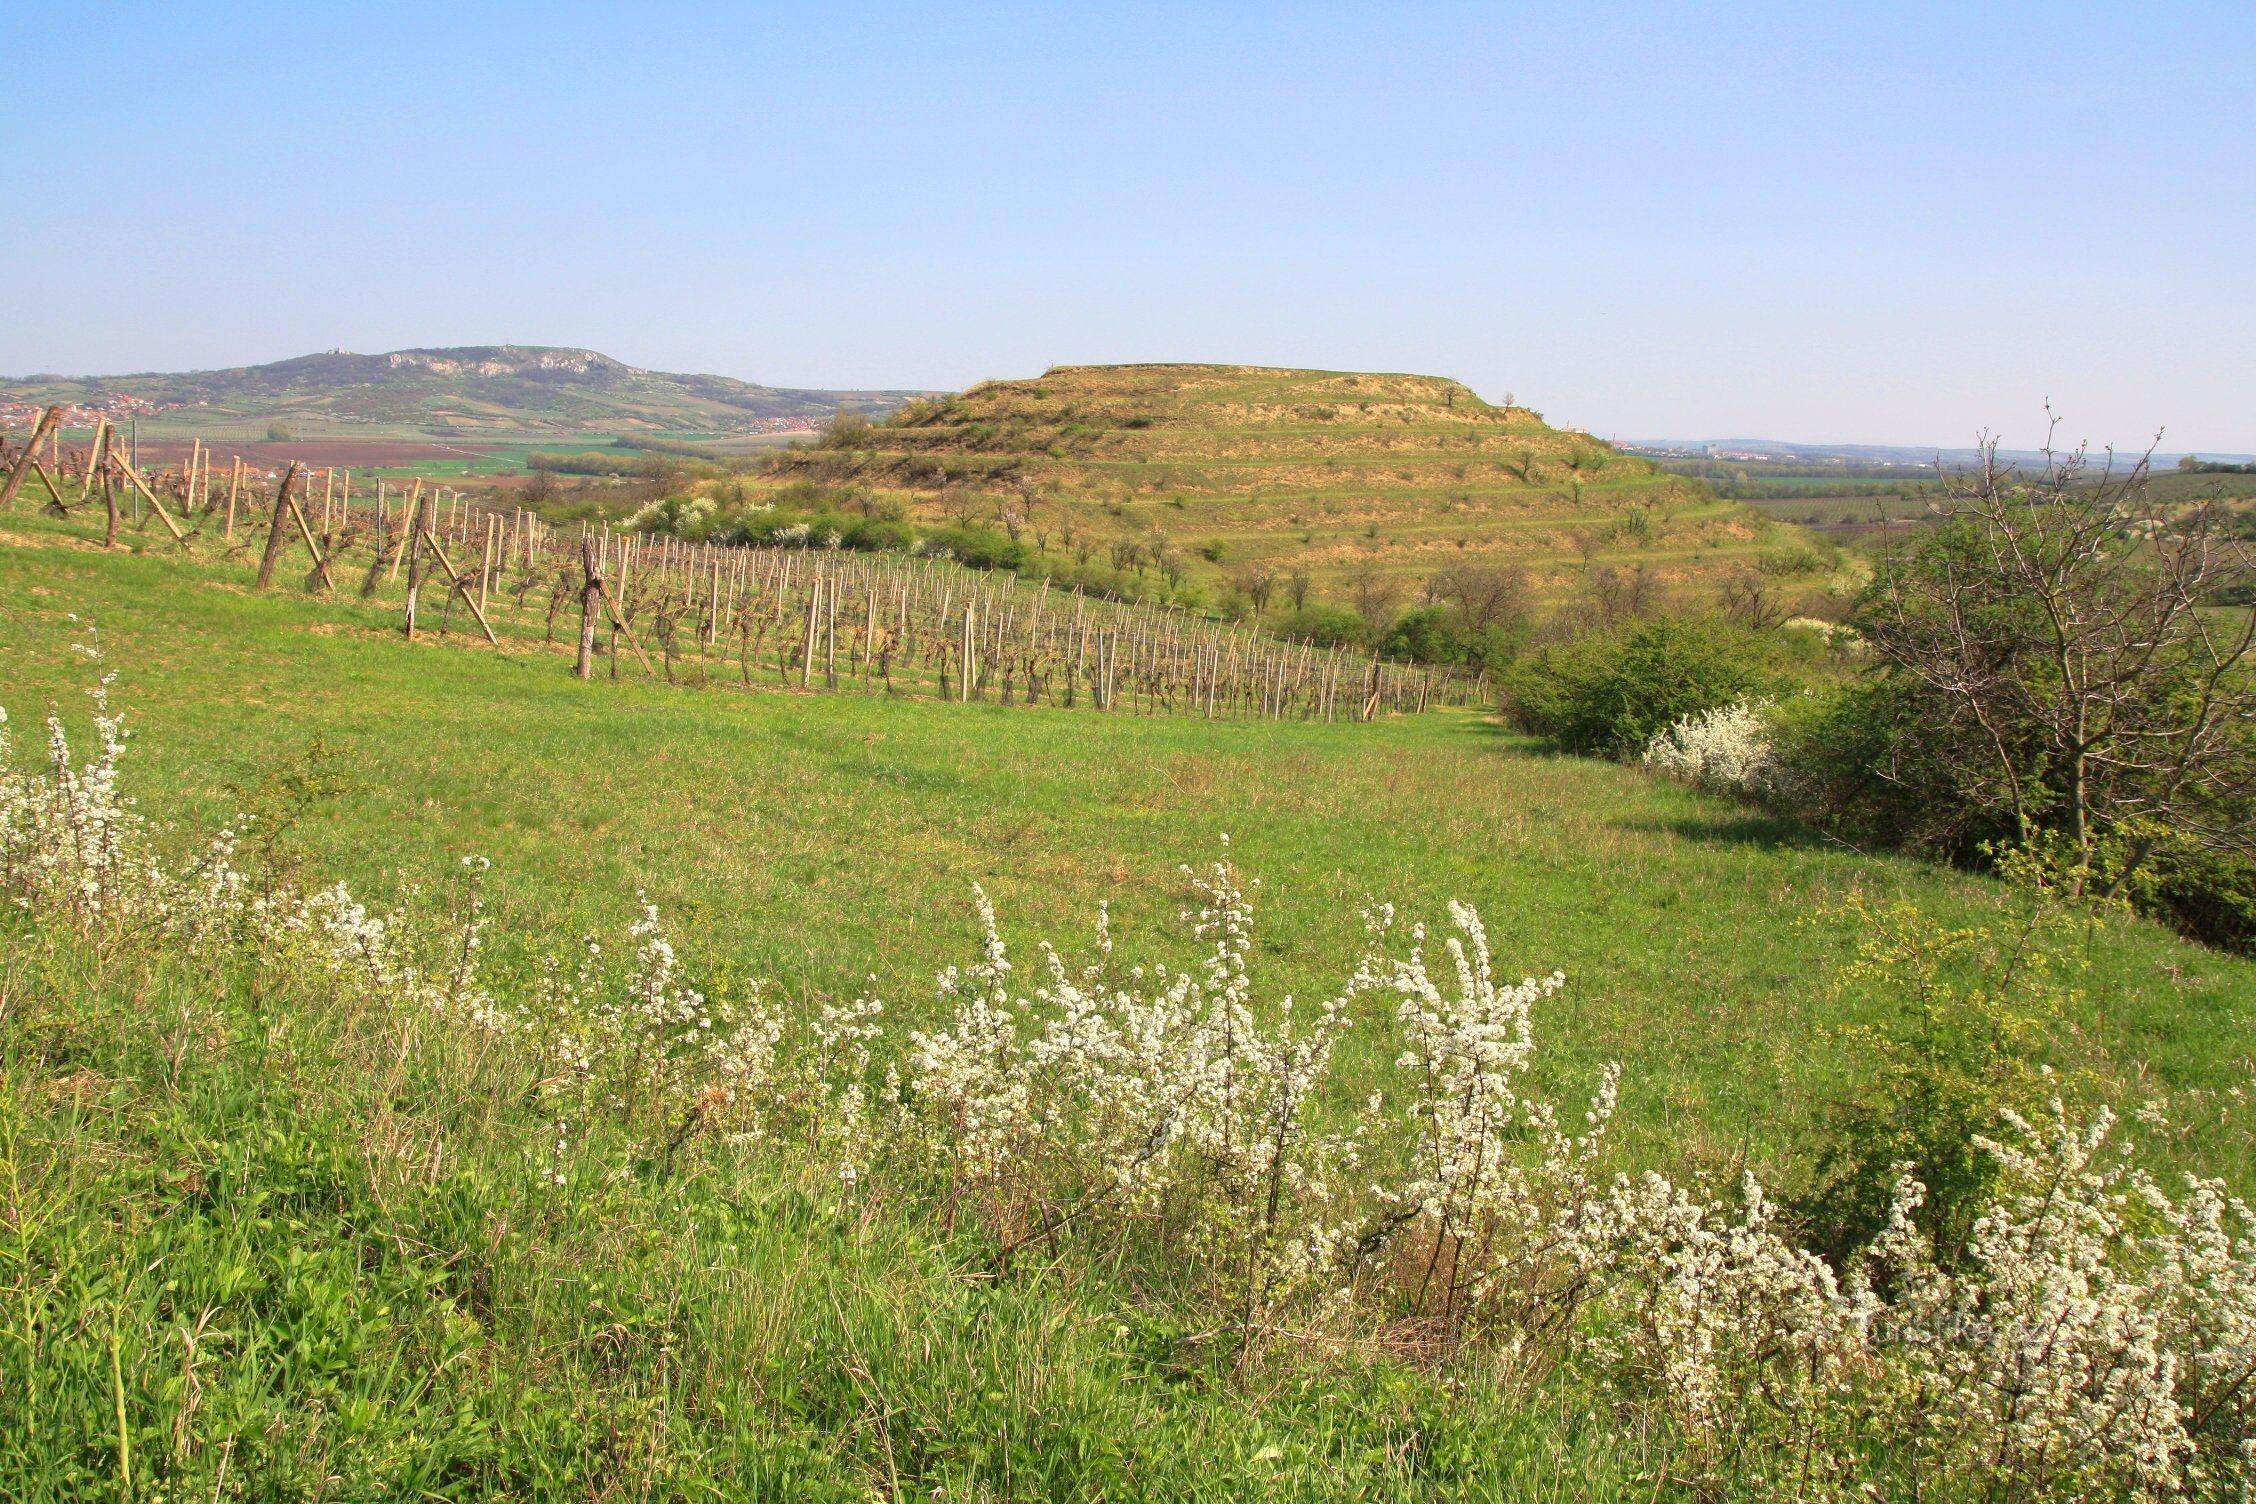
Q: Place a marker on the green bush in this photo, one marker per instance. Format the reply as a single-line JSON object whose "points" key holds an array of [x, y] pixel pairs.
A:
{"points": [[1608, 695], [1957, 1018], [2208, 895], [1429, 634], [1326, 626], [979, 547]]}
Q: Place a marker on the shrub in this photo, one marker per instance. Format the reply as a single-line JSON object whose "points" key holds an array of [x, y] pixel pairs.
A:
{"points": [[1429, 634], [1610, 695], [1948, 1050], [2207, 894], [1324, 625], [1726, 750], [979, 547]]}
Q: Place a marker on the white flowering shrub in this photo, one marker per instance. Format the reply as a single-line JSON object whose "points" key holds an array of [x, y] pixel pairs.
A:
{"points": [[2094, 1337], [649, 1045], [71, 843], [1493, 1219], [1728, 749], [682, 516], [1143, 1095], [1753, 1348]]}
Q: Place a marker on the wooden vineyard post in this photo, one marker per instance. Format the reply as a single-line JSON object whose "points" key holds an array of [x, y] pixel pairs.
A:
{"points": [[274, 531], [591, 595], [964, 658], [830, 633], [30, 457], [416, 532], [234, 488], [94, 452], [95, 468], [150, 496], [807, 648], [409, 518], [462, 587], [486, 564]]}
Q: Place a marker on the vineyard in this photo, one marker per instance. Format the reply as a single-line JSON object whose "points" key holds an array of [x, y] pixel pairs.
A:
{"points": [[805, 617]]}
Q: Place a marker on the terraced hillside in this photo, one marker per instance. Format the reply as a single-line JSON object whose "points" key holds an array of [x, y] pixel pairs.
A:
{"points": [[1341, 475]]}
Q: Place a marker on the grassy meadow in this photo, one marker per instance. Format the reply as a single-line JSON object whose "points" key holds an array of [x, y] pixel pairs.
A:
{"points": [[822, 840], [252, 1291]]}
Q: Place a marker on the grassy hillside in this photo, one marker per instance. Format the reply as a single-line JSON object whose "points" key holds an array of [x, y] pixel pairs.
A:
{"points": [[475, 391], [771, 818], [1344, 475], [258, 1240]]}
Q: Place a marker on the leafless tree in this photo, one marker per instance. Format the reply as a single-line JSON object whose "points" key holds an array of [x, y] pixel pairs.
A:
{"points": [[1296, 588], [2082, 652], [1750, 599], [1623, 595], [1486, 595], [1257, 583], [1375, 593]]}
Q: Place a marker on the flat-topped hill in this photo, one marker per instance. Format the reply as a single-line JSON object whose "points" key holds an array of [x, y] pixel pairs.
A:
{"points": [[1328, 472]]}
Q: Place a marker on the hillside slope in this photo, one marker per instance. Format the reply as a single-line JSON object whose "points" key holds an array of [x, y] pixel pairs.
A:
{"points": [[288, 1204], [1337, 474], [477, 389]]}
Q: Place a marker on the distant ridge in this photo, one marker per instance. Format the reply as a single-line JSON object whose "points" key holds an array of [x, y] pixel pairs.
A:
{"points": [[1869, 454], [488, 390]]}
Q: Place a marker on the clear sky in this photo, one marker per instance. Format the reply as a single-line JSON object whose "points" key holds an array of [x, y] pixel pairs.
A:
{"points": [[1894, 223]]}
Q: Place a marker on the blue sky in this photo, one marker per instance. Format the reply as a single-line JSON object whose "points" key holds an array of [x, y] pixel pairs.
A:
{"points": [[1892, 223]]}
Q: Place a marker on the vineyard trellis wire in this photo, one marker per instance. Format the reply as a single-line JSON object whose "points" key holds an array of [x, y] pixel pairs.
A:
{"points": [[807, 617]]}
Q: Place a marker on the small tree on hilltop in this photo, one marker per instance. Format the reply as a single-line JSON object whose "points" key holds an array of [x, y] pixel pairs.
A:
{"points": [[2072, 670]]}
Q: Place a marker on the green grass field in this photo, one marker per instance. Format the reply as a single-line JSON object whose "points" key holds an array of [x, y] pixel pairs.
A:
{"points": [[419, 1323], [820, 840]]}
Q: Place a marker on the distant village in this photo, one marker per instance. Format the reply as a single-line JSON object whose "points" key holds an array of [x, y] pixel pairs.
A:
{"points": [[117, 407]]}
